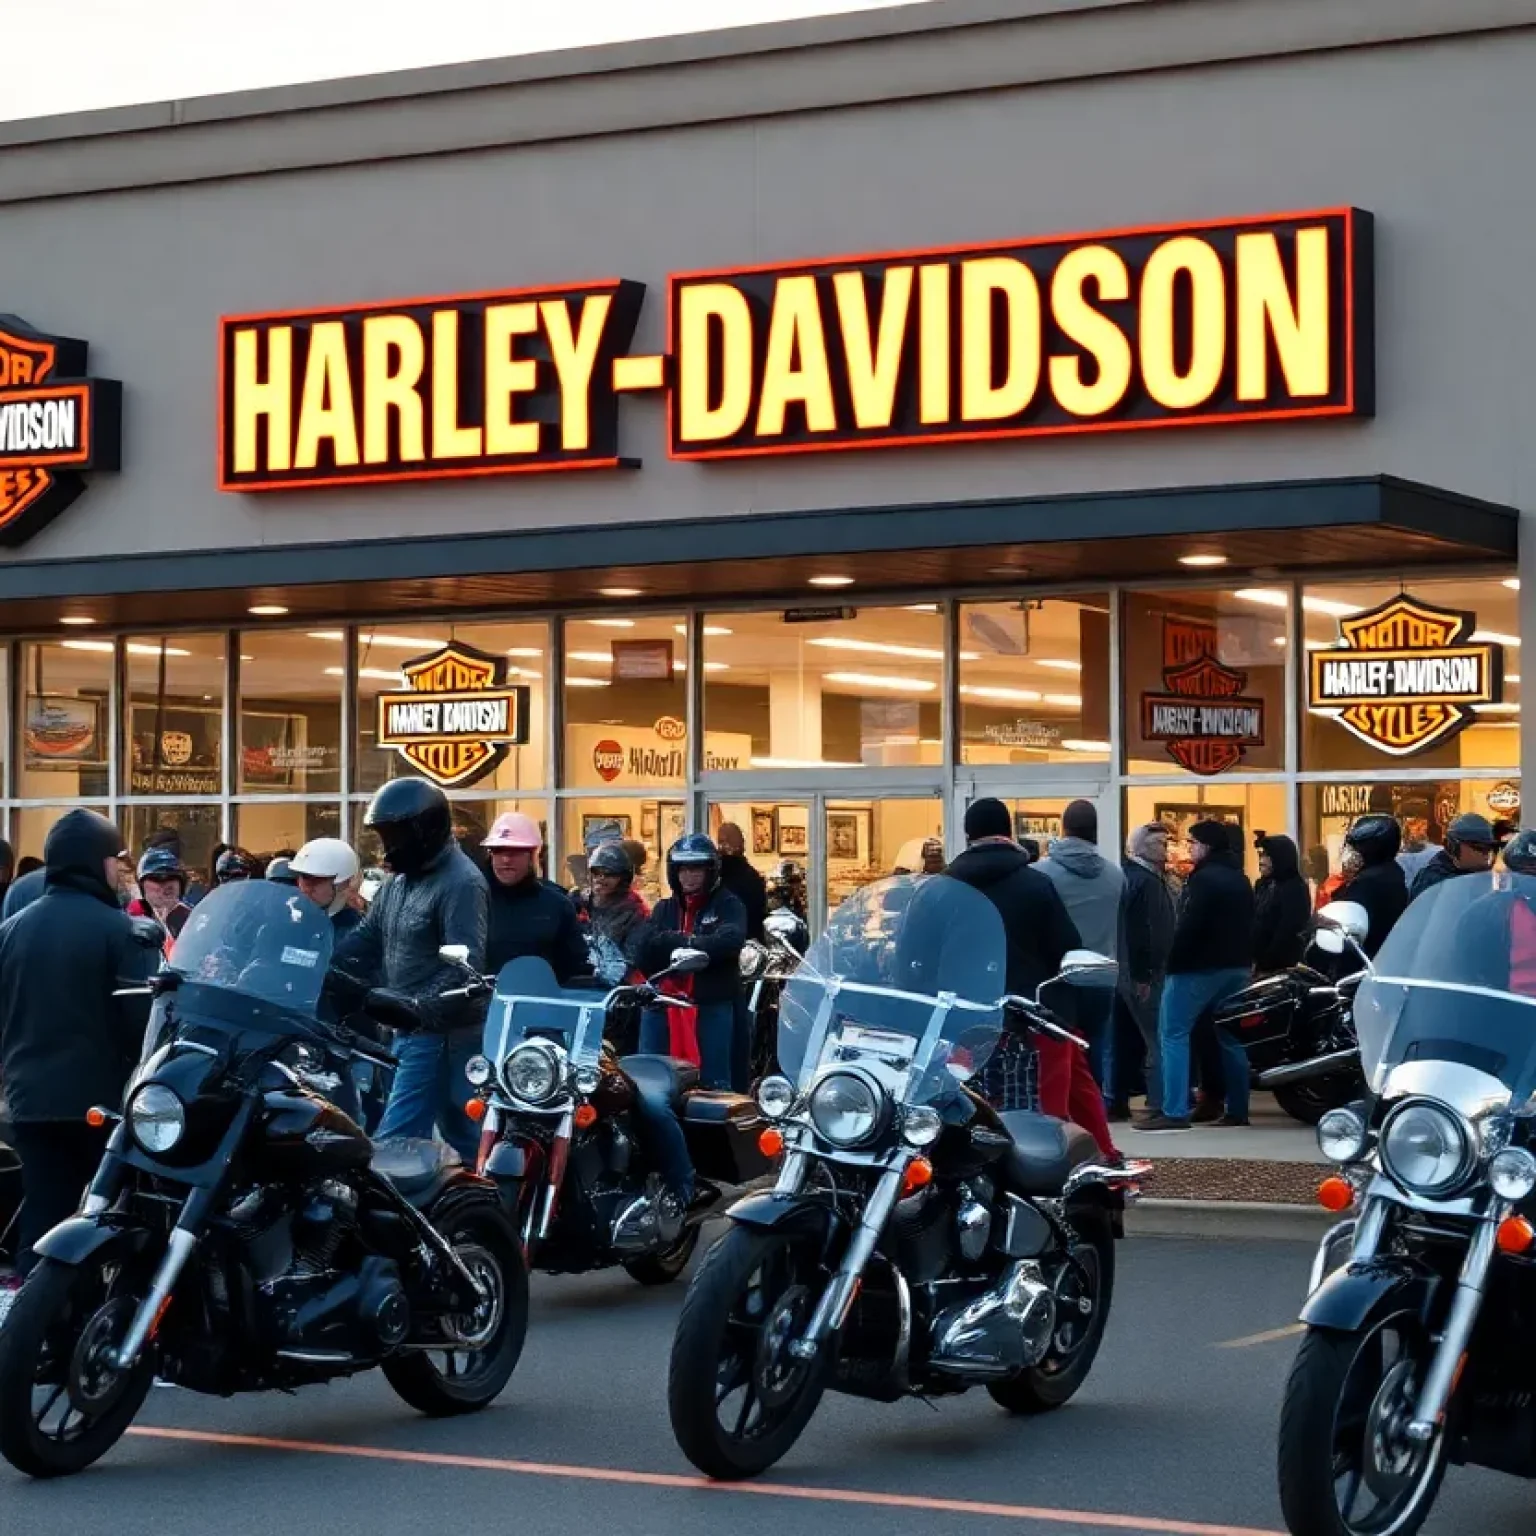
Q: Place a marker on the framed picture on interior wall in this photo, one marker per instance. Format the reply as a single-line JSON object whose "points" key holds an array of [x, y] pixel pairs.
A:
{"points": [[794, 829], [674, 822], [1038, 824], [765, 829], [848, 835], [63, 732], [1180, 818], [648, 814], [591, 824]]}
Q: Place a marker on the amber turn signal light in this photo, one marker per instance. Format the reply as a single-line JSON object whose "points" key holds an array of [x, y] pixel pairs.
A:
{"points": [[771, 1142], [476, 1110], [96, 1117], [1516, 1235], [919, 1173], [1335, 1194], [586, 1117]]}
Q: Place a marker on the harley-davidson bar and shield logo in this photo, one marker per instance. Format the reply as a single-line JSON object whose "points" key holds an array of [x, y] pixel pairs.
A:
{"points": [[1406, 675], [54, 424], [1203, 719], [456, 717]]}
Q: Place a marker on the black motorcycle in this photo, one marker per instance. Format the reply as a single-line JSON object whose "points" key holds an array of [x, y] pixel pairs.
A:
{"points": [[765, 966], [242, 1233], [561, 1137], [917, 1242], [1420, 1347], [1298, 1029], [10, 1202]]}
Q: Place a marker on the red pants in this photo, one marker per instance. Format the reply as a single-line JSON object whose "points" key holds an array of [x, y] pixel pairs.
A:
{"points": [[1068, 1091]]}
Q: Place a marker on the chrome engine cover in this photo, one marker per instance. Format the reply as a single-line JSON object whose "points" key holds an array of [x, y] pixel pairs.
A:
{"points": [[1000, 1332]]}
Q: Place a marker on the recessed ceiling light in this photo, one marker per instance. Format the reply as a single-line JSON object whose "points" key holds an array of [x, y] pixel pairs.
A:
{"points": [[831, 581], [880, 680], [586, 682], [524, 650], [267, 610], [367, 638], [76, 618], [601, 657], [611, 623], [618, 591], [1511, 677], [1202, 560], [378, 674], [133, 648], [1017, 571], [922, 607], [1058, 663], [1008, 695], [876, 647], [1512, 582], [708, 629]]}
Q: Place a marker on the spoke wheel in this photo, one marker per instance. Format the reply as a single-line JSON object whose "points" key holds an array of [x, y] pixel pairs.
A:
{"points": [[1346, 1465], [63, 1404], [738, 1398]]}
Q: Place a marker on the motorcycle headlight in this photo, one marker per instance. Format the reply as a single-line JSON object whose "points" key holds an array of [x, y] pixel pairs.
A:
{"points": [[1512, 1173], [478, 1070], [587, 1079], [1427, 1148], [753, 958], [157, 1118], [534, 1072], [1341, 1136], [921, 1126], [775, 1097], [846, 1109]]}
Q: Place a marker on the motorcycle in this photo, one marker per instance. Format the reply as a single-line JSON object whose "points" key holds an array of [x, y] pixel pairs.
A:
{"points": [[917, 1243], [766, 966], [561, 1138], [1298, 1030], [242, 1233], [10, 1202], [1420, 1343]]}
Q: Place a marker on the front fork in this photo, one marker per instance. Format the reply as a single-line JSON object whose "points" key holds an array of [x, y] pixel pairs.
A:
{"points": [[180, 1247]]}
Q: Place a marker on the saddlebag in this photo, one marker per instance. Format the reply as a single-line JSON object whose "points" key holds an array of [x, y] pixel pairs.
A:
{"points": [[722, 1130]]}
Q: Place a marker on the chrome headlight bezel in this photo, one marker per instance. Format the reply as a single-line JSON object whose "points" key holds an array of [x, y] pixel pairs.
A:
{"points": [[921, 1125], [1456, 1128], [479, 1071], [874, 1117], [1348, 1132], [153, 1111], [552, 1062], [587, 1078], [1512, 1174]]}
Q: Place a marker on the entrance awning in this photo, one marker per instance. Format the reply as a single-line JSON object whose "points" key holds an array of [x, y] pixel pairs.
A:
{"points": [[1370, 523]]}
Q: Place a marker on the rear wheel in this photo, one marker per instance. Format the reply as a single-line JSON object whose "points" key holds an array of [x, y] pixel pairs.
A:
{"points": [[63, 1405], [471, 1371], [664, 1268], [738, 1399]]}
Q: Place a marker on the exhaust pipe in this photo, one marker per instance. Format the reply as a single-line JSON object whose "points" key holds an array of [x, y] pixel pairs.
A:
{"points": [[1304, 1071]]}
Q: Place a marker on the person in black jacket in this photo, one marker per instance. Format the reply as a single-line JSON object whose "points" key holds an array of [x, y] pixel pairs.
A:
{"points": [[1379, 884], [528, 916], [739, 877], [1470, 848], [1282, 906], [1146, 938], [1211, 958], [66, 1044]]}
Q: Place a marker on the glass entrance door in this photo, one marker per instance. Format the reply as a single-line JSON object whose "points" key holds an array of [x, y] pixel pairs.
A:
{"points": [[1037, 810]]}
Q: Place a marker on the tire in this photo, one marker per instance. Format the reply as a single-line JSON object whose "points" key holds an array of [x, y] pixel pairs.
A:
{"points": [[52, 1308], [1308, 1102], [723, 1283], [1307, 1459], [1056, 1380], [664, 1268], [487, 1236]]}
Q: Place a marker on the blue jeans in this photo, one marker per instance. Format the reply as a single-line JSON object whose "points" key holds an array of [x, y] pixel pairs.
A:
{"points": [[717, 1032], [662, 1134], [430, 1089], [1186, 995]]}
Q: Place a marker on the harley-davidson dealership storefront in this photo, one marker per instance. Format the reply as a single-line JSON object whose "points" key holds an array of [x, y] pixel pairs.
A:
{"points": [[951, 427]]}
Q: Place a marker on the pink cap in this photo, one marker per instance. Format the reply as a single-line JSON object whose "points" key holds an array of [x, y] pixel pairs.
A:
{"points": [[514, 830]]}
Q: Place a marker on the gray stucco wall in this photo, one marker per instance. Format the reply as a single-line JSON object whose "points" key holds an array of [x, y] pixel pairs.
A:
{"points": [[1433, 138]]}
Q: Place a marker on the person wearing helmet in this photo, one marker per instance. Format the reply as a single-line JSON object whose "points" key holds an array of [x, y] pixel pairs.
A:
{"points": [[162, 886], [1378, 883], [435, 896], [326, 870], [611, 911], [1470, 846], [528, 915], [235, 864], [280, 870]]}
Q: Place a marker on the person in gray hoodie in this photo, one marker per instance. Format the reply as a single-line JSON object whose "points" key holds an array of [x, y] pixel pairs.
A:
{"points": [[1092, 888]]}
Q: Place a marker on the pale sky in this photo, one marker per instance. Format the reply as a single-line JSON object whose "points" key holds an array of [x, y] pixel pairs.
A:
{"points": [[72, 55]]}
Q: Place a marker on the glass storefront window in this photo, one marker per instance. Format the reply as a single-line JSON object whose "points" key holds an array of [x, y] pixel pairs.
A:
{"points": [[656, 824], [867, 840], [522, 648], [1204, 678], [860, 691], [284, 827], [1377, 737], [174, 718], [1249, 808], [626, 701], [472, 820], [290, 714], [33, 823], [1034, 680], [196, 828], [65, 690]]}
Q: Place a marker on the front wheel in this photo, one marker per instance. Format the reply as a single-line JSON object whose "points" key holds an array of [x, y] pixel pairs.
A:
{"points": [[738, 1399], [1346, 1466], [471, 1369], [63, 1405]]}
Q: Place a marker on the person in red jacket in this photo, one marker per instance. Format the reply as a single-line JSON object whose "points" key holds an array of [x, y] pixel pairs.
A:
{"points": [[162, 885]]}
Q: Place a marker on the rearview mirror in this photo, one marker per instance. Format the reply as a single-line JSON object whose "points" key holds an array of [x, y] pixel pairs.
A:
{"points": [[1340, 921], [454, 954], [686, 961], [781, 924], [1086, 968]]}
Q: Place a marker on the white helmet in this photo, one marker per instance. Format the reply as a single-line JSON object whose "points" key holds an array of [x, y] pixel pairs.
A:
{"points": [[328, 858]]}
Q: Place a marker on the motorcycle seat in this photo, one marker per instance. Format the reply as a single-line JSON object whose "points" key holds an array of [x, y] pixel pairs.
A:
{"points": [[668, 1075], [1044, 1152], [417, 1168]]}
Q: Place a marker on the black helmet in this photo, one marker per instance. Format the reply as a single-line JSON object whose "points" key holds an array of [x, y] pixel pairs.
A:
{"points": [[235, 864], [610, 859], [161, 864], [1520, 853], [1377, 839], [278, 870], [1470, 829], [694, 849], [413, 821]]}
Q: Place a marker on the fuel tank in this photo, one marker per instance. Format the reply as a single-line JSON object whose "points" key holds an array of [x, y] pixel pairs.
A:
{"points": [[305, 1137]]}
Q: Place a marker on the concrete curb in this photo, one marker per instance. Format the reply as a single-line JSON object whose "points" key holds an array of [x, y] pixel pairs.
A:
{"points": [[1227, 1218]]}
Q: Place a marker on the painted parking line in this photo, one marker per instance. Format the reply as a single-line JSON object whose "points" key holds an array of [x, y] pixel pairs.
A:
{"points": [[1269, 1336], [1153, 1525]]}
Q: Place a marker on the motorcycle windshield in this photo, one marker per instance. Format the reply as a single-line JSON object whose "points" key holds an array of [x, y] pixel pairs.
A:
{"points": [[907, 977], [530, 1004], [262, 940], [1456, 982]]}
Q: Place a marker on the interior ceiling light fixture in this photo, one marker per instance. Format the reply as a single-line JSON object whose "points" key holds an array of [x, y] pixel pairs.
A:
{"points": [[587, 682], [1086, 746], [922, 607], [530, 651], [709, 666], [708, 629], [267, 610], [133, 648], [602, 658], [830, 581], [76, 619], [610, 623], [618, 591], [1008, 695], [1512, 582], [378, 674], [1493, 637], [880, 648], [877, 680], [1057, 663], [799, 762], [1271, 597], [390, 642], [1202, 561]]}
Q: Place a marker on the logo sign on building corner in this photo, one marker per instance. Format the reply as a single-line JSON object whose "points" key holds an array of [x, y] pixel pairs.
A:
{"points": [[55, 426], [1406, 675], [1204, 720], [456, 716]]}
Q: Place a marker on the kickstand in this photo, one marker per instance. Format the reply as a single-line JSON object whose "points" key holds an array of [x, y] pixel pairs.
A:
{"points": [[926, 1401]]}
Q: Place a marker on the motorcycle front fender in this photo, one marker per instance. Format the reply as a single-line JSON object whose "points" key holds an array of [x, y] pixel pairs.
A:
{"points": [[1358, 1295], [81, 1238], [771, 1212]]}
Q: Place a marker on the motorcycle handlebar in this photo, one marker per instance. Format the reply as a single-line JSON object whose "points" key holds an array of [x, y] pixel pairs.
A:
{"points": [[1040, 1019]]}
